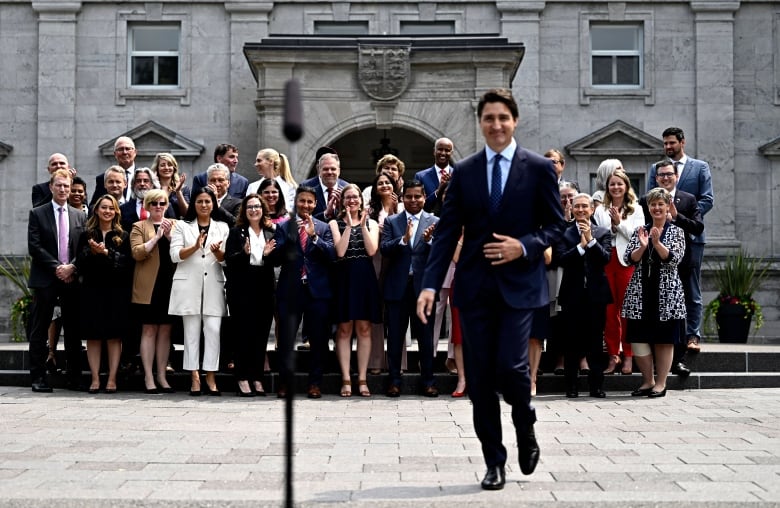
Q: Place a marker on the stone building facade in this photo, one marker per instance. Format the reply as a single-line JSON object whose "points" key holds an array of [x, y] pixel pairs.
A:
{"points": [[597, 79]]}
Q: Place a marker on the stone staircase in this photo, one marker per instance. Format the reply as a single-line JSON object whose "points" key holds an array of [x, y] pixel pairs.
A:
{"points": [[753, 365]]}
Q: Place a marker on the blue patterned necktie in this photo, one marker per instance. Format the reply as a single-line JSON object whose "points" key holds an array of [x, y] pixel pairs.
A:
{"points": [[495, 184]]}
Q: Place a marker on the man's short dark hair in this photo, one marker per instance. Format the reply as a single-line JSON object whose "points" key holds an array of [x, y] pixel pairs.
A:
{"points": [[222, 149], [503, 95], [674, 131], [666, 162], [412, 184], [305, 188]]}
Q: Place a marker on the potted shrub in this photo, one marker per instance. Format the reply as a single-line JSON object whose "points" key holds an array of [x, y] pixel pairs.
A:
{"points": [[736, 279], [18, 273]]}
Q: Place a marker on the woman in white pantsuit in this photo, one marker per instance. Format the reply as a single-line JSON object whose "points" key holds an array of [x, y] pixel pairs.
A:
{"points": [[198, 292]]}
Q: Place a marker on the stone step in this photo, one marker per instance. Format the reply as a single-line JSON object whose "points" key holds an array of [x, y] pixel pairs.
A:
{"points": [[717, 366]]}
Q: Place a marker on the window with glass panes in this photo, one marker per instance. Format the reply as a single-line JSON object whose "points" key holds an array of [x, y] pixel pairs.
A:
{"points": [[616, 55], [154, 55]]}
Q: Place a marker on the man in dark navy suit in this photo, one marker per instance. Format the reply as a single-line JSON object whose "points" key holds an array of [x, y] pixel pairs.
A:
{"points": [[436, 177], [685, 213], [693, 177], [405, 246], [583, 251], [504, 200], [226, 154], [53, 231], [327, 185], [304, 249]]}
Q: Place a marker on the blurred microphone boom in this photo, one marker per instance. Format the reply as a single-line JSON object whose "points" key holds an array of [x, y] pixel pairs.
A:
{"points": [[293, 111]]}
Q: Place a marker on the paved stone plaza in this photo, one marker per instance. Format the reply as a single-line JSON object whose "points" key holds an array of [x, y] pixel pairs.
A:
{"points": [[702, 447]]}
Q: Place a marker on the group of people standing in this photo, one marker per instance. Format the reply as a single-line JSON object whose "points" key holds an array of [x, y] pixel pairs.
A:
{"points": [[626, 273], [357, 263]]}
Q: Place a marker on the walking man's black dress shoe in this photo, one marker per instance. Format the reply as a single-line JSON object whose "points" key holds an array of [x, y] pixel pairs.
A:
{"points": [[41, 386], [494, 478], [527, 450]]}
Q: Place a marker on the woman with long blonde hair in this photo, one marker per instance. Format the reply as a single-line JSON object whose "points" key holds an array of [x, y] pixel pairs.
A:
{"points": [[620, 212]]}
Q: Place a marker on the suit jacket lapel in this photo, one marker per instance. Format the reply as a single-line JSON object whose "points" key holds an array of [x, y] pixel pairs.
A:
{"points": [[421, 225]]}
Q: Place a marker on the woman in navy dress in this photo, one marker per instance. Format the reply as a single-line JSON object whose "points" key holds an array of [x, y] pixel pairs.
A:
{"points": [[105, 265], [357, 302]]}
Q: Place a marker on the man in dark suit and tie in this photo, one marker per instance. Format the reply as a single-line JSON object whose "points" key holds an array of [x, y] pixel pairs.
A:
{"points": [[124, 152], [53, 231], [226, 154], [685, 213], [436, 177], [41, 193], [327, 185], [583, 251], [693, 177], [504, 199], [405, 246], [304, 249]]}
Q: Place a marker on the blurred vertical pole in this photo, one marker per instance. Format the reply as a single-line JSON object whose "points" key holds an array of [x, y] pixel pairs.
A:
{"points": [[293, 130]]}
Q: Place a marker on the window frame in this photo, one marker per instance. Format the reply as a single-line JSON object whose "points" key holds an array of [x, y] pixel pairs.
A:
{"points": [[156, 15], [622, 16], [133, 53], [614, 54]]}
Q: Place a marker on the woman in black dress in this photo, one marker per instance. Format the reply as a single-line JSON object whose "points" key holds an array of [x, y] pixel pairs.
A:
{"points": [[250, 290], [654, 305], [104, 265], [357, 302], [150, 241]]}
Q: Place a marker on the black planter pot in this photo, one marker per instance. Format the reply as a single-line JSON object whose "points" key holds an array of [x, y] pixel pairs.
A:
{"points": [[733, 323]]}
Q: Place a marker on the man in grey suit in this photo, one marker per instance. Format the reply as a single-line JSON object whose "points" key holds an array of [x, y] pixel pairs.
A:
{"points": [[52, 235], [693, 177]]}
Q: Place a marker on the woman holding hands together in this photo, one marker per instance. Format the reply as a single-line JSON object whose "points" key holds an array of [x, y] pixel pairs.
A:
{"points": [[198, 292], [356, 239], [654, 304], [250, 290]]}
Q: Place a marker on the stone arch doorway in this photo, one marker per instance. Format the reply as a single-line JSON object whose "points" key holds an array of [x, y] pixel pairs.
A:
{"points": [[359, 150], [353, 89]]}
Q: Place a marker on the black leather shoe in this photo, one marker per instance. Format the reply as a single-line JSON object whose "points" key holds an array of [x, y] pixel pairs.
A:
{"points": [[494, 479], [572, 394], [527, 451], [394, 391], [599, 394], [655, 395], [642, 392], [41, 386], [680, 369]]}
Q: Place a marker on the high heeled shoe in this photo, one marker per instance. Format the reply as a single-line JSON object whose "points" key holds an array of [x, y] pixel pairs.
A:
{"points": [[242, 393], [459, 393], [614, 362]]}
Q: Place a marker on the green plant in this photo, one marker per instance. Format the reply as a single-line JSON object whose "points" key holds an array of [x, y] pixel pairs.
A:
{"points": [[736, 279], [18, 273]]}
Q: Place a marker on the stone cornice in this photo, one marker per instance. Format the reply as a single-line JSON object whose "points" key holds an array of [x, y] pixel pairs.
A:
{"points": [[715, 6], [56, 9]]}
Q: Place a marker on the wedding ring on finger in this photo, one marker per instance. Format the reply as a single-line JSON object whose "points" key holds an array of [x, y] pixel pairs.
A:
{"points": [[500, 256]]}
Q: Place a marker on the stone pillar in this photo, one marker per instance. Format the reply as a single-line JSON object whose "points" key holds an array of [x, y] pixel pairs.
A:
{"points": [[248, 22], [56, 78], [520, 23], [714, 136]]}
